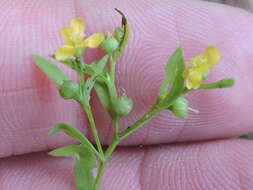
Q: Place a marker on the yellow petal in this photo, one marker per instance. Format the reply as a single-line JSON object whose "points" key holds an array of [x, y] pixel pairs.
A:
{"points": [[78, 26], [93, 41], [193, 80], [213, 55], [67, 33], [64, 52], [193, 77]]}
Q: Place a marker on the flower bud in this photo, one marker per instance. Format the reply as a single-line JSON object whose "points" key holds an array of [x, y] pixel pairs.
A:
{"points": [[119, 33], [110, 44], [123, 106], [69, 89], [180, 107]]}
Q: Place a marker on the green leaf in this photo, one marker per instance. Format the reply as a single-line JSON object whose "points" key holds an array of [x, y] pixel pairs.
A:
{"points": [[83, 170], [126, 33], [50, 69], [178, 83], [85, 162], [67, 151], [73, 132], [78, 151], [171, 71], [83, 175]]}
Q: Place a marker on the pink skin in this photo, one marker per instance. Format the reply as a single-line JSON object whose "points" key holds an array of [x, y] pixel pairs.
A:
{"points": [[30, 104]]}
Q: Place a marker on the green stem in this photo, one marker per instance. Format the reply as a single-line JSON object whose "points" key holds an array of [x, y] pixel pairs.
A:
{"points": [[103, 164], [111, 80], [144, 119], [112, 89], [112, 68], [93, 129], [100, 174], [81, 80], [224, 83], [116, 127]]}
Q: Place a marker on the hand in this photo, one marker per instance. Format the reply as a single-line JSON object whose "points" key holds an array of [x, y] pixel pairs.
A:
{"points": [[30, 104]]}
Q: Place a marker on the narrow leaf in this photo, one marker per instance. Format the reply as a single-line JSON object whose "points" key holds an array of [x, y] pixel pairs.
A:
{"points": [[73, 132], [67, 151], [50, 69], [79, 152], [171, 70], [178, 83]]}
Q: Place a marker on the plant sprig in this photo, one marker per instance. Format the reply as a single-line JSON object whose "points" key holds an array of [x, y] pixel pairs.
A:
{"points": [[100, 76]]}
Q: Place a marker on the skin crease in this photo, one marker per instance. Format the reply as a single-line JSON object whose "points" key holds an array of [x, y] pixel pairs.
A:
{"points": [[30, 104]]}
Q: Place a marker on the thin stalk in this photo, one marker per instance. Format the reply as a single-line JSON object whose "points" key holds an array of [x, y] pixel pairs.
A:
{"points": [[116, 127], [93, 129], [111, 79], [99, 177], [81, 80], [112, 87], [112, 68], [102, 165], [144, 119]]}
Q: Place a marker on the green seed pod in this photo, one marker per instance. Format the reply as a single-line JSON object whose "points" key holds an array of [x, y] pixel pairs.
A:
{"points": [[119, 33], [180, 107], [226, 83], [69, 89], [110, 44], [123, 106]]}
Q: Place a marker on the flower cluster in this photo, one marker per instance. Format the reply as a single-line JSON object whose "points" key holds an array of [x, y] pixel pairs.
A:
{"points": [[200, 66]]}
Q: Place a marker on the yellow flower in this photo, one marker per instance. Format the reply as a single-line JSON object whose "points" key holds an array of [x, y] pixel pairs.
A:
{"points": [[74, 38], [200, 65]]}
